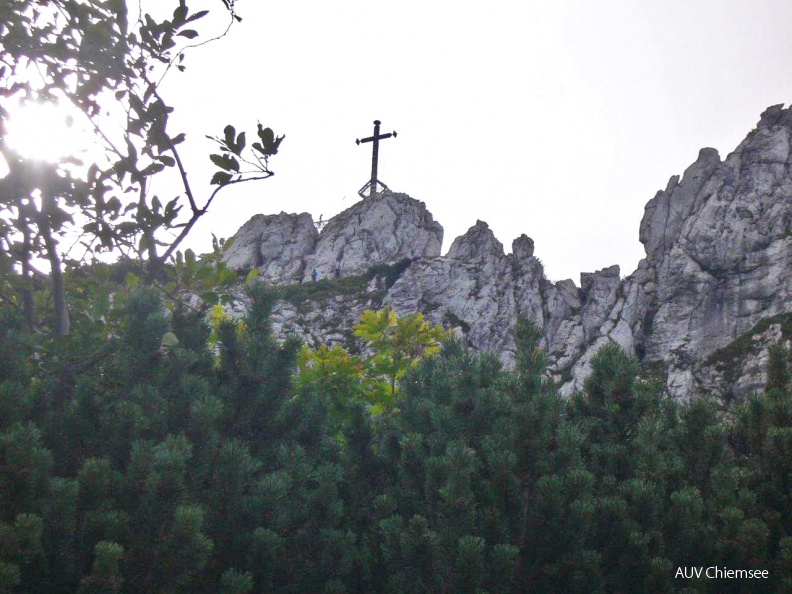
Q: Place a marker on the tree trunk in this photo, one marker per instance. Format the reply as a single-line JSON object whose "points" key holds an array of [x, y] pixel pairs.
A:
{"points": [[60, 326], [28, 305]]}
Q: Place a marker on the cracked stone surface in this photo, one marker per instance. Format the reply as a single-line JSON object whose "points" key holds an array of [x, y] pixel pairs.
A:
{"points": [[277, 245], [720, 260], [381, 229]]}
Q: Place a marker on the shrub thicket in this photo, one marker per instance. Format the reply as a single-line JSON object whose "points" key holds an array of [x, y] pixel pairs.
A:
{"points": [[134, 458]]}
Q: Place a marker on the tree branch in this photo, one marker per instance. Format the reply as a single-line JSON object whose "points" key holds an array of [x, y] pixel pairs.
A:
{"points": [[179, 164], [236, 181], [199, 213]]}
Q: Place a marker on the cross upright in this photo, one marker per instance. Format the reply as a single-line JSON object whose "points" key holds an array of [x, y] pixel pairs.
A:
{"points": [[371, 186]]}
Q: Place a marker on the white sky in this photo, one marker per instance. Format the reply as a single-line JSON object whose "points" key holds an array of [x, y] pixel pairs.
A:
{"points": [[558, 119]]}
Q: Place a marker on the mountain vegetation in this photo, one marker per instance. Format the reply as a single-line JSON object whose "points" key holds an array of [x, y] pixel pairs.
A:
{"points": [[153, 451]]}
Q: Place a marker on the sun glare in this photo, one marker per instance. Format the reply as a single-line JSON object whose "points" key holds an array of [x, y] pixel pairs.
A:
{"points": [[44, 131]]}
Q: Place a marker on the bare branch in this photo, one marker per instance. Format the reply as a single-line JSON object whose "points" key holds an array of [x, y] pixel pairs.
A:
{"points": [[190, 46]]}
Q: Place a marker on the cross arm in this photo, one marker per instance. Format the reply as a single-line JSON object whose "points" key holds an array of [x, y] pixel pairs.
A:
{"points": [[379, 137]]}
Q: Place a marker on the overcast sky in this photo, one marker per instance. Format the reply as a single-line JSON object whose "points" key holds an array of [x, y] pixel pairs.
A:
{"points": [[558, 119]]}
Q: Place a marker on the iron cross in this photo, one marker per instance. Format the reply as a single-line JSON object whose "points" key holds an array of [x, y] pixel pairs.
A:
{"points": [[372, 185]]}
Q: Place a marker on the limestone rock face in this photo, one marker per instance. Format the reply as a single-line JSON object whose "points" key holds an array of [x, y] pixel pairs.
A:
{"points": [[477, 246], [667, 211], [719, 258], [528, 280], [381, 229], [463, 290], [718, 262], [277, 245], [714, 291]]}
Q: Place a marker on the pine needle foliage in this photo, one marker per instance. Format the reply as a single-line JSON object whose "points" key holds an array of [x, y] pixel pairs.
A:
{"points": [[151, 453]]}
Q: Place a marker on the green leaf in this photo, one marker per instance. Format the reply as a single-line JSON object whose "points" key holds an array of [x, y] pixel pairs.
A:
{"points": [[127, 228], [152, 169], [180, 14], [240, 143], [266, 135], [188, 33], [198, 15], [113, 205], [269, 143], [220, 178], [251, 275], [173, 206], [226, 275], [225, 162], [121, 168], [230, 134], [170, 340], [144, 243], [204, 272], [167, 40]]}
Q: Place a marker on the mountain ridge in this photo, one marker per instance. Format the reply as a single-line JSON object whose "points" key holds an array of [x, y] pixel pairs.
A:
{"points": [[717, 265]]}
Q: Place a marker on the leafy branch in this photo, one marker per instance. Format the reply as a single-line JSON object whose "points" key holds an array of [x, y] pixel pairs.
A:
{"points": [[97, 59], [232, 153]]}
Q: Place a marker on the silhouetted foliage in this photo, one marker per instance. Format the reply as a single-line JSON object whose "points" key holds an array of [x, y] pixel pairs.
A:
{"points": [[105, 62]]}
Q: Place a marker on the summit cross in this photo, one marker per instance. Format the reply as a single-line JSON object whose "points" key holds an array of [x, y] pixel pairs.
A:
{"points": [[371, 185]]}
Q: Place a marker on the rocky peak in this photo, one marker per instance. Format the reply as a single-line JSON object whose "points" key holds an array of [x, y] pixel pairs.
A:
{"points": [[384, 228], [527, 269], [720, 256], [665, 213], [381, 229], [775, 115], [477, 246], [523, 248], [277, 245]]}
